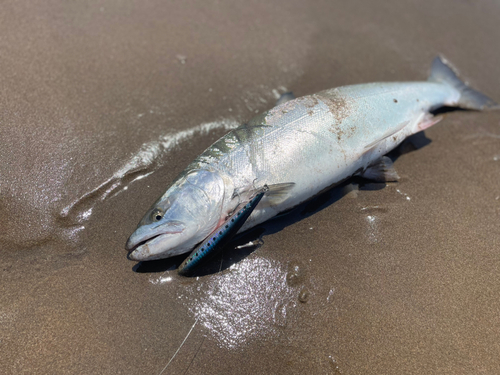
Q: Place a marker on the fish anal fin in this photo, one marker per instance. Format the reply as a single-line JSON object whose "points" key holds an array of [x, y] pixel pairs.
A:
{"points": [[381, 170], [427, 121]]}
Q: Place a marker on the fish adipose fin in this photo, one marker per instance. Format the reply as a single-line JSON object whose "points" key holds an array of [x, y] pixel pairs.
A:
{"points": [[381, 171], [442, 72], [221, 235]]}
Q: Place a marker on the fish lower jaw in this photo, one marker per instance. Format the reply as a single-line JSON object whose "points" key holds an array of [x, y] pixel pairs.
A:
{"points": [[143, 252], [153, 249]]}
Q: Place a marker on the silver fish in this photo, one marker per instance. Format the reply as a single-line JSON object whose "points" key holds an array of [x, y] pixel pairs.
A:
{"points": [[306, 144]]}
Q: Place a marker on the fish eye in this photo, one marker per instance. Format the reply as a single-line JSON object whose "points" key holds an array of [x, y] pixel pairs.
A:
{"points": [[157, 214]]}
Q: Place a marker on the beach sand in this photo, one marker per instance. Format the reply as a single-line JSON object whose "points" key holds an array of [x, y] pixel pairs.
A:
{"points": [[103, 103]]}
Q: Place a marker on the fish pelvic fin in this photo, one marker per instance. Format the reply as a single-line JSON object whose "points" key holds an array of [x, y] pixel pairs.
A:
{"points": [[382, 170], [443, 72]]}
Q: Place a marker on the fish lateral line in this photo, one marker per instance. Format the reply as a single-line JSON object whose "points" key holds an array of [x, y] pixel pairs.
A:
{"points": [[221, 235]]}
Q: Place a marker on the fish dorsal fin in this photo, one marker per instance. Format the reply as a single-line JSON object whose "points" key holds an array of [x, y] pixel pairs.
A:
{"points": [[387, 134], [381, 170]]}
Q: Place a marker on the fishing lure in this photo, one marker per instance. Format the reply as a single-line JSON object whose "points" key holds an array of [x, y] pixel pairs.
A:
{"points": [[221, 236]]}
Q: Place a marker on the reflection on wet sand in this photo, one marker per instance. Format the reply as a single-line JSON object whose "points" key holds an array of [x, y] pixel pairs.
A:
{"points": [[248, 301], [242, 304]]}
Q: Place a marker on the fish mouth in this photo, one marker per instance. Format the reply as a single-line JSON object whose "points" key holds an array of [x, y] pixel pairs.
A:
{"points": [[146, 244], [145, 250], [131, 248]]}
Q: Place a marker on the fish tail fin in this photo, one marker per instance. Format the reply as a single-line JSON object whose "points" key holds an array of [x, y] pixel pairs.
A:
{"points": [[443, 72]]}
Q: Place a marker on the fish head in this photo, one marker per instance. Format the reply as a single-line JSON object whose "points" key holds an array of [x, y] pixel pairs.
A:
{"points": [[182, 217]]}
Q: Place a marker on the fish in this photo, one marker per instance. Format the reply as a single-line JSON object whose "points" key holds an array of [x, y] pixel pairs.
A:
{"points": [[298, 149]]}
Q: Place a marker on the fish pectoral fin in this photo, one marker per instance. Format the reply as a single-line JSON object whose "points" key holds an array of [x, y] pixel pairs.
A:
{"points": [[381, 171], [277, 193], [274, 193]]}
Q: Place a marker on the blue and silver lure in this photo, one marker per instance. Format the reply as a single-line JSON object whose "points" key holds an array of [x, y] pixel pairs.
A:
{"points": [[221, 236]]}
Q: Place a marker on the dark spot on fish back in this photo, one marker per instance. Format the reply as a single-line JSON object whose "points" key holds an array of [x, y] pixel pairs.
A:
{"points": [[395, 100]]}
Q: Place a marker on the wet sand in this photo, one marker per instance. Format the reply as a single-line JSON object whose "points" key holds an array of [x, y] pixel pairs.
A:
{"points": [[103, 103]]}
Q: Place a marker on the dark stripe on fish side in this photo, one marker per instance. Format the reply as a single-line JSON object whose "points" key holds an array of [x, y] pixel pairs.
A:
{"points": [[220, 237]]}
